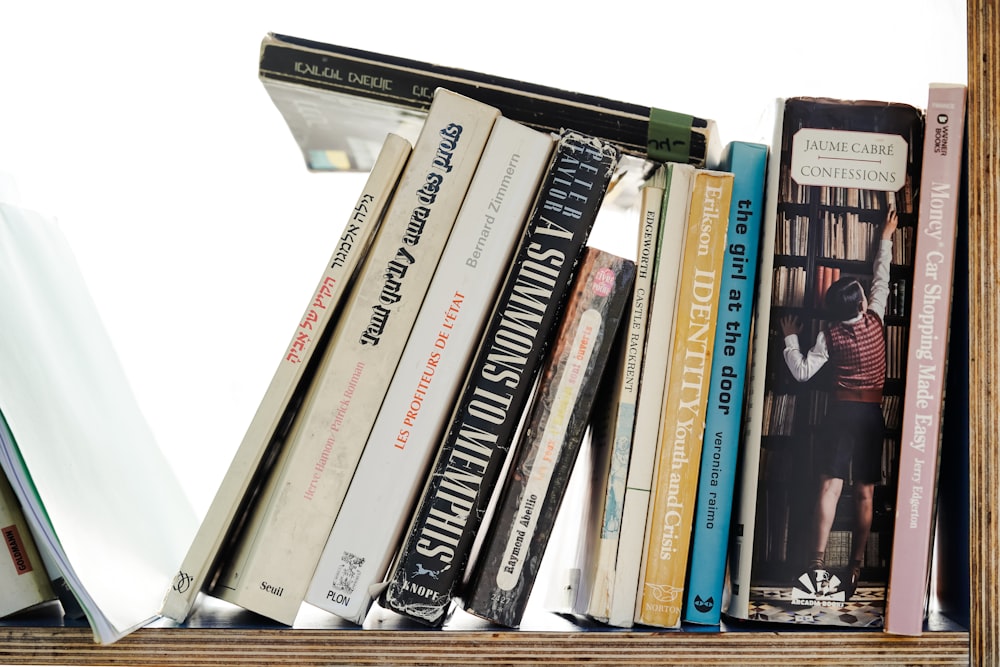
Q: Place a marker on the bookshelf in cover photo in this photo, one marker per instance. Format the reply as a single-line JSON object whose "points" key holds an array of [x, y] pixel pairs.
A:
{"points": [[842, 169]]}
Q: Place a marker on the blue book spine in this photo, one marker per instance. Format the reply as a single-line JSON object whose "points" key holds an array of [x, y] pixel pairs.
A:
{"points": [[724, 415]]}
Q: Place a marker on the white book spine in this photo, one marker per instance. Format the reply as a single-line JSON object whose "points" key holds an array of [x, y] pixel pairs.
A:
{"points": [[289, 526], [622, 429], [647, 420], [330, 289], [408, 429]]}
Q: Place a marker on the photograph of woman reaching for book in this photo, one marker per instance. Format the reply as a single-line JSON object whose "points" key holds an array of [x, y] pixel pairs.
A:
{"points": [[852, 343]]}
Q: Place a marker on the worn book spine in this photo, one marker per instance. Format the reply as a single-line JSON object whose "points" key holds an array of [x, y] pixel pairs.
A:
{"points": [[305, 76], [431, 370], [659, 340], [682, 417], [555, 423], [463, 476], [614, 423], [284, 537], [24, 581], [927, 359], [289, 379], [724, 412]]}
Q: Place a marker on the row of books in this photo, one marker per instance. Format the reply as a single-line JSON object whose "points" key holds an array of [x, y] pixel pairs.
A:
{"points": [[414, 445]]}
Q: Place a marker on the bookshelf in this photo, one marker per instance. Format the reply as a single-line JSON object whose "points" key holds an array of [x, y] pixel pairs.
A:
{"points": [[233, 638]]}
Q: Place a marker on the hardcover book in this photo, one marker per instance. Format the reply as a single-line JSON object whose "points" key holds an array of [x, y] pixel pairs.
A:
{"points": [[339, 101], [437, 546], [927, 359], [23, 578], [555, 424], [655, 361], [813, 537], [613, 421], [291, 378], [685, 397], [420, 398], [280, 545], [724, 413]]}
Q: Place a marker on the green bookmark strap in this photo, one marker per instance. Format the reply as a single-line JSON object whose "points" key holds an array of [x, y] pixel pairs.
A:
{"points": [[669, 137]]}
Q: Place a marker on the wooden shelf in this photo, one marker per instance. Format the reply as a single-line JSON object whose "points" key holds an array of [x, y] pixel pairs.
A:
{"points": [[219, 633], [233, 646], [236, 640]]}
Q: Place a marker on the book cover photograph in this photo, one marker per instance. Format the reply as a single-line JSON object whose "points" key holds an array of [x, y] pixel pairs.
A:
{"points": [[828, 447], [509, 561], [482, 429]]}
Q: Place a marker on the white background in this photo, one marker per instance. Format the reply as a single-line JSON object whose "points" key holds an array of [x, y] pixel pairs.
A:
{"points": [[143, 128]]}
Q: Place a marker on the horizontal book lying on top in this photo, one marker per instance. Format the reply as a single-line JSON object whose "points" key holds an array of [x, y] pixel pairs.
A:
{"points": [[339, 102]]}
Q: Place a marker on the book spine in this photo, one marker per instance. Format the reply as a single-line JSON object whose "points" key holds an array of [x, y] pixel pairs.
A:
{"points": [[284, 538], [668, 533], [467, 467], [420, 398], [655, 362], [745, 491], [23, 578], [546, 453], [289, 378], [611, 437], [812, 557], [927, 358], [409, 85], [724, 414]]}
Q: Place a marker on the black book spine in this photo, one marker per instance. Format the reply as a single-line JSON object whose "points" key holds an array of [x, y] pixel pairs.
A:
{"points": [[546, 454], [410, 84], [432, 559]]}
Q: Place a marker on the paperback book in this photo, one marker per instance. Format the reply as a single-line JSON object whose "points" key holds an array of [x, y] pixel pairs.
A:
{"points": [[655, 362], [421, 396], [613, 420], [339, 102], [545, 456], [724, 412], [291, 378], [483, 427], [23, 578], [927, 359], [74, 444], [685, 397], [813, 537], [280, 545]]}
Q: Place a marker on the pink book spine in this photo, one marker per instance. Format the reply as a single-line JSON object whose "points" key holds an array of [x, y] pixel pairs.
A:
{"points": [[927, 358]]}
